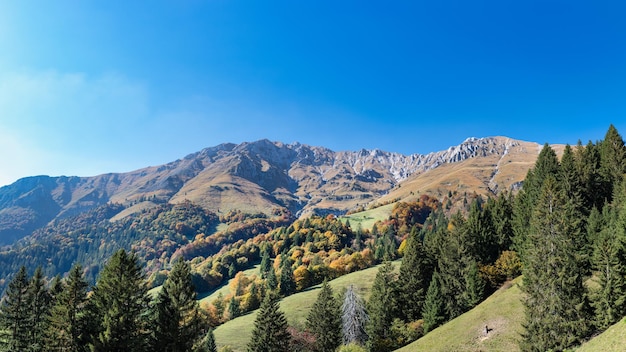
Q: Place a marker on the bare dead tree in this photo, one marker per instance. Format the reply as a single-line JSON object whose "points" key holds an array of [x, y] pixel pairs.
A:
{"points": [[354, 318]]}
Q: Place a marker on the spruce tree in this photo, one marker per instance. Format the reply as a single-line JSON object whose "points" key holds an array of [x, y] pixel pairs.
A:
{"points": [[608, 260], [354, 318], [547, 165], [324, 320], [474, 285], [502, 216], [270, 328], [454, 259], [415, 273], [587, 159], [266, 263], [271, 280], [119, 306], [481, 233], [434, 311], [287, 283], [612, 161], [15, 314], [40, 301], [68, 325], [556, 304], [177, 321], [207, 344], [233, 308], [381, 308]]}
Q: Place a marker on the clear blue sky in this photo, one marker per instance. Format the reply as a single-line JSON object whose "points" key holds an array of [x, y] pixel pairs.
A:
{"points": [[88, 87]]}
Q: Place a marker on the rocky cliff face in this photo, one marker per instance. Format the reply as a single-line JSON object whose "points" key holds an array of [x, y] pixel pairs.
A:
{"points": [[253, 177]]}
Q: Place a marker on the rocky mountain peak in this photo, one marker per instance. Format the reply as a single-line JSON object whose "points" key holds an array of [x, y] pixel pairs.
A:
{"points": [[252, 176]]}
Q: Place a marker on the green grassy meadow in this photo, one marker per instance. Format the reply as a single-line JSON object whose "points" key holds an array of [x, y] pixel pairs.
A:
{"points": [[368, 218], [503, 312], [612, 339], [237, 332]]}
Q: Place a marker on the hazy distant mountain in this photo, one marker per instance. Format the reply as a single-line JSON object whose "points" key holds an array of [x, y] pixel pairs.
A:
{"points": [[263, 175]]}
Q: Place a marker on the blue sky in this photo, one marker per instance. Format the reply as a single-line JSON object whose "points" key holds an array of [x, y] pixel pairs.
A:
{"points": [[88, 87]]}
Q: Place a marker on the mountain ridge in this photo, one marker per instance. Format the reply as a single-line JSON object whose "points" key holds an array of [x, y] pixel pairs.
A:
{"points": [[257, 177]]}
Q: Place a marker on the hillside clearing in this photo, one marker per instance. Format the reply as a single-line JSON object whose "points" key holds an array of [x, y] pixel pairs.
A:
{"points": [[237, 332], [502, 312]]}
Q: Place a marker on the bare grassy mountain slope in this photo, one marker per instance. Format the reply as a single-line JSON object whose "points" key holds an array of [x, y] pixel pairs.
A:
{"points": [[263, 175]]}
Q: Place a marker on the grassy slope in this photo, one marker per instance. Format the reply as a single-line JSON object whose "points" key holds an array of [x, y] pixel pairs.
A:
{"points": [[609, 341], [503, 312], [368, 218], [237, 332]]}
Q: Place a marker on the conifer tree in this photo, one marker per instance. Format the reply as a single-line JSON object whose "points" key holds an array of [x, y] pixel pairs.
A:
{"points": [[609, 257], [474, 285], [266, 263], [415, 273], [381, 308], [587, 159], [287, 284], [454, 258], [233, 308], [119, 306], [354, 318], [177, 321], [40, 301], [556, 303], [15, 314], [481, 233], [547, 164], [68, 325], [271, 280], [612, 161], [270, 328], [207, 344], [434, 311], [502, 216], [324, 320]]}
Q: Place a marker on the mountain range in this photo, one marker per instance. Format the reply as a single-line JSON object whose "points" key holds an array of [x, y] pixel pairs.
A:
{"points": [[261, 176]]}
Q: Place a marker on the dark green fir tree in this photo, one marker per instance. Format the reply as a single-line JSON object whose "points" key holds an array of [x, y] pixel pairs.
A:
{"points": [[270, 332], [207, 344], [324, 320], [382, 308], [15, 313], [40, 301], [557, 311], [68, 325], [177, 321], [434, 311], [119, 306], [415, 273]]}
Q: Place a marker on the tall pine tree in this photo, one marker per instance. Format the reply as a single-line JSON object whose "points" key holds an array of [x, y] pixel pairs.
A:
{"points": [[40, 301], [324, 320], [434, 310], [119, 306], [415, 273], [15, 313], [382, 308], [556, 303], [177, 320], [68, 325], [270, 328]]}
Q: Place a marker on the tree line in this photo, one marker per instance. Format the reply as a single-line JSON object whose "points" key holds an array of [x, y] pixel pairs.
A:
{"points": [[117, 314]]}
